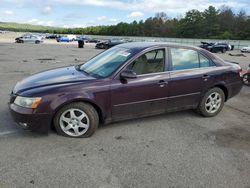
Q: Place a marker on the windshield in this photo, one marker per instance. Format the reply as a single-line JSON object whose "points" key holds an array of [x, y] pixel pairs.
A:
{"points": [[106, 62]]}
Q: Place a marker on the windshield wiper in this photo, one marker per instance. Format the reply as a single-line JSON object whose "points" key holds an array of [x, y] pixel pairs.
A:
{"points": [[77, 67]]}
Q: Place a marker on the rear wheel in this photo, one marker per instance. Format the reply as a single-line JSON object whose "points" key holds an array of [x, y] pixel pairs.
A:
{"points": [[246, 79], [76, 120], [212, 102], [37, 41]]}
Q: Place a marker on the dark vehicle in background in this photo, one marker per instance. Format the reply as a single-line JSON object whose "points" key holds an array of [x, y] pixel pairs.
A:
{"points": [[216, 47], [52, 36], [110, 43], [102, 45], [127, 81], [29, 38], [91, 40]]}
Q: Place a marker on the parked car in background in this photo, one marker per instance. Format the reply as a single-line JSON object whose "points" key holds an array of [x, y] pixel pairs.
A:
{"points": [[63, 39], [81, 37], [51, 36], [72, 37], [4, 31], [102, 45], [245, 49], [91, 40], [127, 81], [66, 38], [29, 38], [110, 43], [215, 47]]}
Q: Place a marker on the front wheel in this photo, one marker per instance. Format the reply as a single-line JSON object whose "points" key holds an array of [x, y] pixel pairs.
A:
{"points": [[223, 50], [76, 120], [212, 102]]}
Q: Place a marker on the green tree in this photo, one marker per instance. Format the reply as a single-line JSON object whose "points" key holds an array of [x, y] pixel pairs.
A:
{"points": [[211, 22], [192, 24], [226, 19]]}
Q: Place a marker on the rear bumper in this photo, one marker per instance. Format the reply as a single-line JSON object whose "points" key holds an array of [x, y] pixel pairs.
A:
{"points": [[28, 119]]}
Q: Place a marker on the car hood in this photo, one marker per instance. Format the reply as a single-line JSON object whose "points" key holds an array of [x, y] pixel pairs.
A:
{"points": [[57, 76]]}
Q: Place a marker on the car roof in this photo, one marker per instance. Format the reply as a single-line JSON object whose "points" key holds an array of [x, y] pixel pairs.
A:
{"points": [[140, 46], [144, 45]]}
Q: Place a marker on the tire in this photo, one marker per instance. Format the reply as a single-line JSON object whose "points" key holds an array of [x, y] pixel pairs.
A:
{"points": [[76, 116], [213, 50], [21, 41], [37, 42], [206, 106], [246, 79], [223, 50]]}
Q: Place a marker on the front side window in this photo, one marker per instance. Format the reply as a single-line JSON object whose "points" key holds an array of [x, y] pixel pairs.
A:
{"points": [[106, 62], [150, 62]]}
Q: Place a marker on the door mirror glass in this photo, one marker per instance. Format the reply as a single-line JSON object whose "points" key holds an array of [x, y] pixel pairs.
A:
{"points": [[128, 74]]}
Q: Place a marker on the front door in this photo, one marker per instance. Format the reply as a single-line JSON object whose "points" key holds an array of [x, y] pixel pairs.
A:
{"points": [[145, 95]]}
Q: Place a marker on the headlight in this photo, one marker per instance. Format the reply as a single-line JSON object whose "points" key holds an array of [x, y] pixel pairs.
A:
{"points": [[27, 102]]}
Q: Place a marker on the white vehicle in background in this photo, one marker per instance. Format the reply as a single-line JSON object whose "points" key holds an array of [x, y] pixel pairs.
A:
{"points": [[245, 49], [71, 37], [29, 38]]}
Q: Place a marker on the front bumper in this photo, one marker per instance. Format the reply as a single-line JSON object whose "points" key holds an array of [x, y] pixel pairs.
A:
{"points": [[28, 119]]}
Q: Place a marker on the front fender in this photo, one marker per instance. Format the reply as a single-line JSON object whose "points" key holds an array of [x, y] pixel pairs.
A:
{"points": [[67, 98]]}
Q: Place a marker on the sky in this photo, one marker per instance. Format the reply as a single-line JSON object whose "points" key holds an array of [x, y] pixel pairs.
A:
{"points": [[83, 13]]}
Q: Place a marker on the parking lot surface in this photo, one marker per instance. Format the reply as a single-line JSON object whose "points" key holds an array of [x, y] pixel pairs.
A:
{"points": [[180, 149]]}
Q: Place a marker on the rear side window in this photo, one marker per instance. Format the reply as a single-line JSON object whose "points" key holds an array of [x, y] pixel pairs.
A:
{"points": [[184, 59], [187, 59], [204, 62]]}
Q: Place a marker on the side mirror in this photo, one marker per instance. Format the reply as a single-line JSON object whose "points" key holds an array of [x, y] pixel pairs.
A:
{"points": [[128, 74]]}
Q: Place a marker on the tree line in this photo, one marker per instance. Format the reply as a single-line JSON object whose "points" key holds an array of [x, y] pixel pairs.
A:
{"points": [[214, 23], [211, 23]]}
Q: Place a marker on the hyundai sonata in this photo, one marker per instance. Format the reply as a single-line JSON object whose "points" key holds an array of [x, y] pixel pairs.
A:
{"points": [[127, 81]]}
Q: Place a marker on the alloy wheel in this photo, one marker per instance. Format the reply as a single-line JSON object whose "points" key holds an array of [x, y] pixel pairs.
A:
{"points": [[74, 122], [213, 102]]}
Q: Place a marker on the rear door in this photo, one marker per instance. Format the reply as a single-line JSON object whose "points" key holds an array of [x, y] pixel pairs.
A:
{"points": [[144, 95], [191, 73]]}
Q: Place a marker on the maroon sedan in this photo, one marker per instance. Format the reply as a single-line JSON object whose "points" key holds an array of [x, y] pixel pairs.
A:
{"points": [[130, 80]]}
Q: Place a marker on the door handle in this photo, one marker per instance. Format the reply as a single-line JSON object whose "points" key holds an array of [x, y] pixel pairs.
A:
{"points": [[205, 76], [162, 83]]}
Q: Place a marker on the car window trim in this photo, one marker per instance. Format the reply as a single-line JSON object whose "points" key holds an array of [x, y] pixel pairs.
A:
{"points": [[200, 68]]}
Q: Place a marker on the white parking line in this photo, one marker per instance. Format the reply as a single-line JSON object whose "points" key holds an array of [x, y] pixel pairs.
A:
{"points": [[7, 132]]}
